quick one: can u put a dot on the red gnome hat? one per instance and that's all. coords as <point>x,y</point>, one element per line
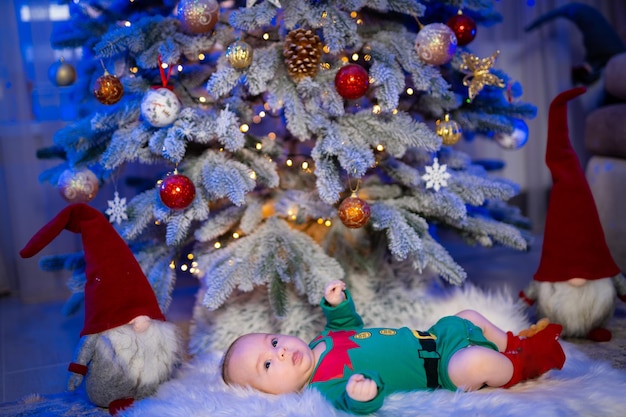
<point>116,290</point>
<point>574,245</point>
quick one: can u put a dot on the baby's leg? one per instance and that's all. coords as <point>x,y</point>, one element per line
<point>492,332</point>
<point>473,367</point>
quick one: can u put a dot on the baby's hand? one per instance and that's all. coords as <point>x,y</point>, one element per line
<point>333,293</point>
<point>360,388</point>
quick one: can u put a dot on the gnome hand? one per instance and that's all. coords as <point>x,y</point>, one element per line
<point>77,369</point>
<point>74,381</point>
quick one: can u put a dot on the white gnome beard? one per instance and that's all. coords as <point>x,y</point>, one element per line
<point>578,309</point>
<point>148,357</point>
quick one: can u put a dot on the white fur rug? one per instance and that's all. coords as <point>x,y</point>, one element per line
<point>582,388</point>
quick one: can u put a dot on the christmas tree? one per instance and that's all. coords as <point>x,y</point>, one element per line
<point>291,143</point>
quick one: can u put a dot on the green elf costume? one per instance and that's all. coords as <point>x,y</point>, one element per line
<point>398,359</point>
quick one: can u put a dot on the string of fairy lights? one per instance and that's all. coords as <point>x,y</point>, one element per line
<point>189,263</point>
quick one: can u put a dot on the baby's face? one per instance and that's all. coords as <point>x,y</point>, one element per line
<point>272,363</point>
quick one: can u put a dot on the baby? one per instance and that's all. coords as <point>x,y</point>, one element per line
<point>356,367</point>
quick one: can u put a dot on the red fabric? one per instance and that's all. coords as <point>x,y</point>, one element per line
<point>118,405</point>
<point>116,290</point>
<point>77,368</point>
<point>574,245</point>
<point>333,364</point>
<point>600,334</point>
<point>534,356</point>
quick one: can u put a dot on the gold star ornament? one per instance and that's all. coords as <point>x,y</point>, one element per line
<point>478,75</point>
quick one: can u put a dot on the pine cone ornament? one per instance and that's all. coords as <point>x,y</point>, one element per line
<point>302,51</point>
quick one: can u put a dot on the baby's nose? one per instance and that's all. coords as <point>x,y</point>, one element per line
<point>282,352</point>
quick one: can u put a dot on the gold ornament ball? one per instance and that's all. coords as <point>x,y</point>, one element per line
<point>78,186</point>
<point>449,130</point>
<point>62,74</point>
<point>198,16</point>
<point>435,44</point>
<point>239,54</point>
<point>108,89</point>
<point>354,212</point>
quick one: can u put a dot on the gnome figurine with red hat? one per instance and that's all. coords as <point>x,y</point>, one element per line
<point>127,349</point>
<point>577,282</point>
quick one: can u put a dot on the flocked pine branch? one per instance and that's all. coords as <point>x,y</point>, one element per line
<point>274,251</point>
<point>241,181</point>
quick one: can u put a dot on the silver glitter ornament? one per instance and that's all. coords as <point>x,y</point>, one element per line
<point>198,16</point>
<point>435,44</point>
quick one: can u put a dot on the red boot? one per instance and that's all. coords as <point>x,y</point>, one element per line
<point>536,355</point>
<point>118,405</point>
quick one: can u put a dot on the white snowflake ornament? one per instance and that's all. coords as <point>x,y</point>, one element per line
<point>117,209</point>
<point>436,175</point>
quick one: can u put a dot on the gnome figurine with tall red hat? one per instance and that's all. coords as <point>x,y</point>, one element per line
<point>577,282</point>
<point>127,349</point>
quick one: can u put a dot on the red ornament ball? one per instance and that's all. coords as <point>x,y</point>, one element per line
<point>464,27</point>
<point>108,89</point>
<point>354,212</point>
<point>177,191</point>
<point>352,81</point>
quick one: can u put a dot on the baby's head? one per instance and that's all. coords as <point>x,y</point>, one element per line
<point>271,363</point>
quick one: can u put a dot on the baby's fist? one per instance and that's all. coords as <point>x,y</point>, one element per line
<point>334,292</point>
<point>360,388</point>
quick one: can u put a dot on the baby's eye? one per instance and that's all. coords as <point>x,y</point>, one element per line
<point>274,342</point>
<point>267,364</point>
